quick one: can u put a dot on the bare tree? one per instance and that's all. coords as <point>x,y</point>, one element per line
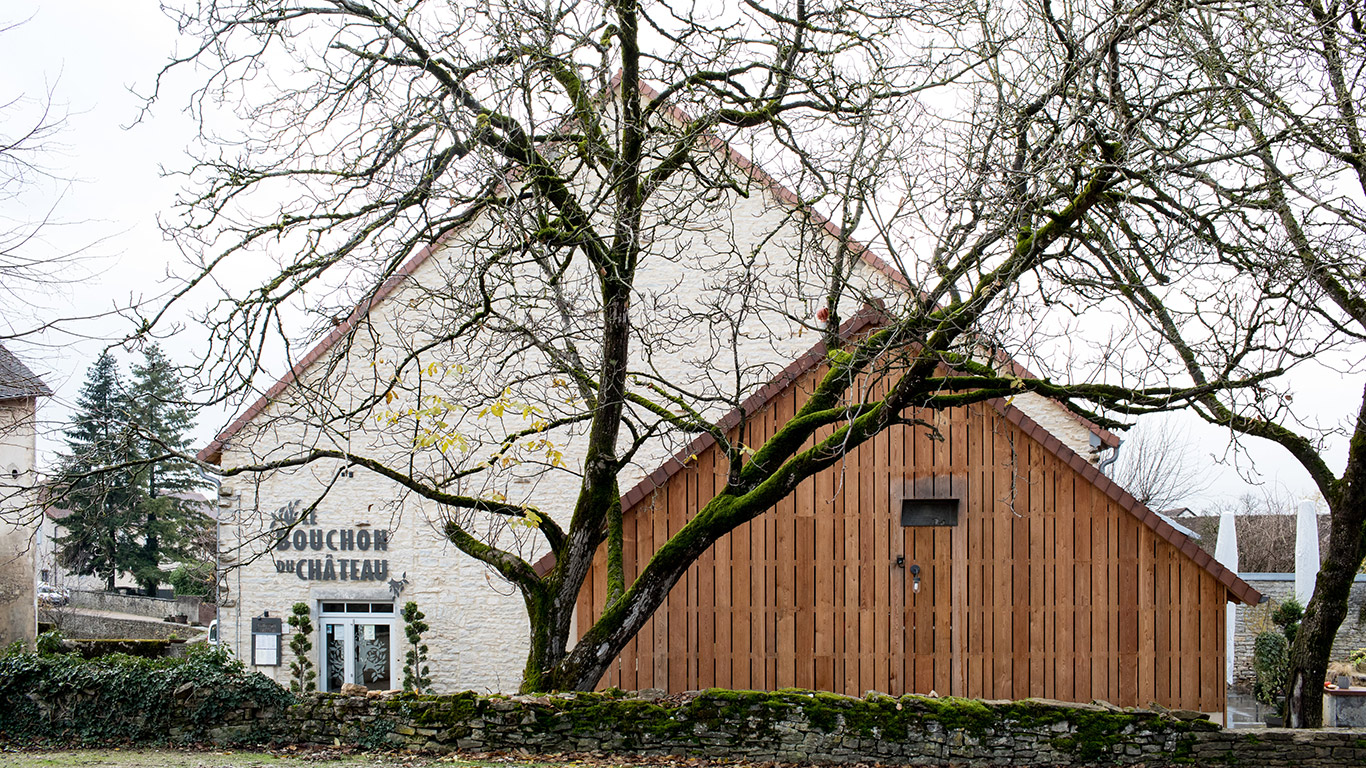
<point>1261,187</point>
<point>1157,468</point>
<point>574,165</point>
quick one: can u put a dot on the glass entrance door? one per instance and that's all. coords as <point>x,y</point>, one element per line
<point>358,646</point>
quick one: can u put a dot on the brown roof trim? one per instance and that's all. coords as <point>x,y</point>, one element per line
<point>753,404</point>
<point>1237,588</point>
<point>213,452</point>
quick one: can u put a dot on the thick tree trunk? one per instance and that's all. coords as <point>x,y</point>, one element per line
<point>1314,642</point>
<point>1328,607</point>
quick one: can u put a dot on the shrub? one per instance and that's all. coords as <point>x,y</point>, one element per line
<point>1271,662</point>
<point>67,699</point>
<point>193,579</point>
<point>1287,616</point>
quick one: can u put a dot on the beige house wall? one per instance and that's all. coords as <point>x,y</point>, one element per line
<point>18,525</point>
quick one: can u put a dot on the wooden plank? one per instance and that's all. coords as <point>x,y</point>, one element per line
<point>1147,642</point>
<point>1128,608</point>
<point>824,647</point>
<point>892,609</point>
<point>677,639</point>
<point>982,506</point>
<point>1190,636</point>
<point>741,635</point>
<point>630,655</point>
<point>872,645</point>
<point>724,656</point>
<point>1100,600</point>
<point>1163,626</point>
<point>784,587</point>
<point>955,611</point>
<point>645,538</point>
<point>1019,557</point>
<point>705,650</point>
<point>1083,590</point>
<point>1038,645</point>
<point>805,545</point>
<point>1064,593</point>
<point>1000,555</point>
<point>847,560</point>
<point>1112,602</point>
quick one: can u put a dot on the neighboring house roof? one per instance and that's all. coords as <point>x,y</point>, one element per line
<point>16,380</point>
<point>214,450</point>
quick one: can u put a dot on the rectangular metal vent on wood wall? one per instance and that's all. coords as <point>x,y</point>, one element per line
<point>929,512</point>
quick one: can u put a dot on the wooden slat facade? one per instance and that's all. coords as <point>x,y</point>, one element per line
<point>1047,586</point>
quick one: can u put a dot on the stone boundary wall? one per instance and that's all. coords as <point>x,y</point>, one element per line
<point>788,726</point>
<point>137,605</point>
<point>1255,619</point>
<point>799,727</point>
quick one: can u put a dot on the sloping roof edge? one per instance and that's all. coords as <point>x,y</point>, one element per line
<point>17,381</point>
<point>1237,589</point>
<point>213,452</point>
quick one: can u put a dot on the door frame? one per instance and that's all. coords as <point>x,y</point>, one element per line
<point>351,620</point>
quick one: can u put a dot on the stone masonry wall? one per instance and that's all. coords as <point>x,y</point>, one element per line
<point>800,727</point>
<point>1253,620</point>
<point>789,726</point>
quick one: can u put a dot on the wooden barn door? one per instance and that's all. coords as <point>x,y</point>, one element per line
<point>926,606</point>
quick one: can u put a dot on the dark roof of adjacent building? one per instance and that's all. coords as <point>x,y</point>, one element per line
<point>16,380</point>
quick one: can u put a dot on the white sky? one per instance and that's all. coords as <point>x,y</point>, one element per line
<point>89,54</point>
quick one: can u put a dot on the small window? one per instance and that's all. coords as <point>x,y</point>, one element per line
<point>929,512</point>
<point>334,607</point>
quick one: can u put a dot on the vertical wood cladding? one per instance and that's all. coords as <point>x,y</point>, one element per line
<point>1047,586</point>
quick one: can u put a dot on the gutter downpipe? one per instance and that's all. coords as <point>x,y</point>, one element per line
<point>1113,458</point>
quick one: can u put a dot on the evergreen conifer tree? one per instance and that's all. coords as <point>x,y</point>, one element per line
<point>93,480</point>
<point>169,522</point>
<point>128,513</point>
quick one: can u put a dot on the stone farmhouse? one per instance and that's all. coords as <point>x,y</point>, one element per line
<point>20,389</point>
<point>354,546</point>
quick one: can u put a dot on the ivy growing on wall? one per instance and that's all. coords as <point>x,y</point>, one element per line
<point>64,698</point>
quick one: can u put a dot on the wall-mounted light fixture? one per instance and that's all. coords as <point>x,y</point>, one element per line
<point>915,579</point>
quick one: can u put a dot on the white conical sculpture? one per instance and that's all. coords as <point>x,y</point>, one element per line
<point>1306,551</point>
<point>1226,552</point>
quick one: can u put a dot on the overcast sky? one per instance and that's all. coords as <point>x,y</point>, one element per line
<point>94,56</point>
